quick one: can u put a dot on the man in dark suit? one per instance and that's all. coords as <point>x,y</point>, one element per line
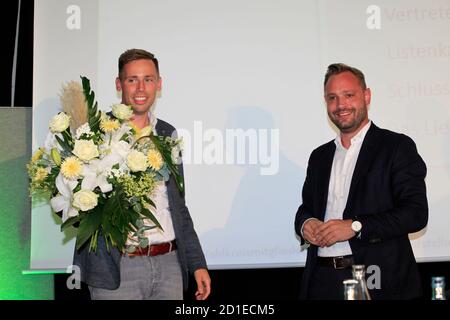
<point>363,194</point>
<point>160,271</point>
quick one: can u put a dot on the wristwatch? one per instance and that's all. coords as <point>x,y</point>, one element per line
<point>356,226</point>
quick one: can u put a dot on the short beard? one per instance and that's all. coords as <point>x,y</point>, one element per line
<point>352,126</point>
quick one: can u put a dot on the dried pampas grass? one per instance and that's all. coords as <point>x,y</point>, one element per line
<point>74,104</point>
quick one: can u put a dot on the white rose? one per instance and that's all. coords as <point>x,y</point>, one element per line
<point>85,200</point>
<point>85,150</point>
<point>137,161</point>
<point>122,111</point>
<point>59,123</point>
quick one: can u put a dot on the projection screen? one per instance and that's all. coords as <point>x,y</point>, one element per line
<point>243,83</point>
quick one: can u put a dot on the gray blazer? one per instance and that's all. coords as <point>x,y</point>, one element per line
<point>102,269</point>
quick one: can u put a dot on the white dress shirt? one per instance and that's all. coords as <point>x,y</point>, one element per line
<point>344,162</point>
<point>162,211</point>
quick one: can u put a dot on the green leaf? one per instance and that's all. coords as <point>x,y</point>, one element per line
<point>143,242</point>
<point>149,201</point>
<point>139,223</point>
<point>118,218</point>
<point>66,147</point>
<point>89,224</point>
<point>118,238</point>
<point>164,172</point>
<point>94,116</point>
<point>137,207</point>
<point>145,228</point>
<point>133,200</point>
<point>150,215</point>
<point>67,138</point>
<point>130,249</point>
<point>70,222</point>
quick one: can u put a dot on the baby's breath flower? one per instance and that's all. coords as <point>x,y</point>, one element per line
<point>84,129</point>
<point>142,186</point>
<point>71,168</point>
<point>116,173</point>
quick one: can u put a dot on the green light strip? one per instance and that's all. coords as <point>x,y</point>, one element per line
<point>46,271</point>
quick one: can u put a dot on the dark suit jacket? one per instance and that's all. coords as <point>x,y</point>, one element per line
<point>102,269</point>
<point>388,195</point>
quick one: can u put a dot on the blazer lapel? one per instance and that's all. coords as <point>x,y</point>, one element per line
<point>365,159</point>
<point>324,177</point>
<point>161,130</point>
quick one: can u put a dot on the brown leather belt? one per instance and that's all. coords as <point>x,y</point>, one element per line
<point>337,263</point>
<point>154,249</point>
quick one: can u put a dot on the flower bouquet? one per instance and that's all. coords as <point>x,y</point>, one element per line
<point>99,172</point>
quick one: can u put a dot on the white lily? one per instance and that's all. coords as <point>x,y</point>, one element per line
<point>96,173</point>
<point>63,201</point>
<point>115,145</point>
<point>117,135</point>
<point>51,142</point>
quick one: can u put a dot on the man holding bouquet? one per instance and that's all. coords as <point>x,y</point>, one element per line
<point>161,269</point>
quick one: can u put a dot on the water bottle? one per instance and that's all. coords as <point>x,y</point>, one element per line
<point>438,288</point>
<point>352,289</point>
<point>359,274</point>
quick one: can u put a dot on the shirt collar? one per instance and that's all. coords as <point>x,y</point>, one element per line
<point>358,138</point>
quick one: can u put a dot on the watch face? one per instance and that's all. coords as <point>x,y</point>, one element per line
<point>356,226</point>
